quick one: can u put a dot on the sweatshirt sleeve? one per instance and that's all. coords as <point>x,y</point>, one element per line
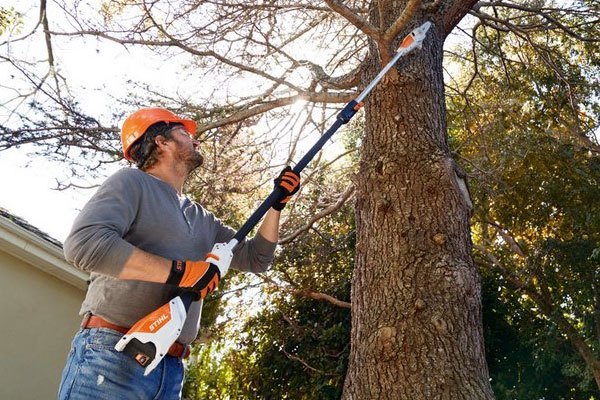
<point>251,255</point>
<point>96,242</point>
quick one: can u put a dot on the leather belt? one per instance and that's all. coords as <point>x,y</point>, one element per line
<point>93,321</point>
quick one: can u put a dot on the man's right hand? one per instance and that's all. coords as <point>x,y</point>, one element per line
<point>200,277</point>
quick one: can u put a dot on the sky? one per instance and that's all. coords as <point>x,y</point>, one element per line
<point>27,192</point>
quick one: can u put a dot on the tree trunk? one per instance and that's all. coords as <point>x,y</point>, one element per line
<point>416,302</point>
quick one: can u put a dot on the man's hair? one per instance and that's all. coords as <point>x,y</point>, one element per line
<point>144,151</point>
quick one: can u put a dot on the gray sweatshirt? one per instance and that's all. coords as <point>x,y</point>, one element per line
<point>134,209</point>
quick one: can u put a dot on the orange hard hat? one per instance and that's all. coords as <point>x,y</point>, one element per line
<point>137,123</point>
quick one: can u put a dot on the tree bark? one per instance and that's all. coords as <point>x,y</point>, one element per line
<point>416,302</point>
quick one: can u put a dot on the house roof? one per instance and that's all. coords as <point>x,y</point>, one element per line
<point>37,248</point>
<point>26,225</point>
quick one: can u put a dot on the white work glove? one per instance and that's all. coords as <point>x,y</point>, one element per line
<point>221,256</point>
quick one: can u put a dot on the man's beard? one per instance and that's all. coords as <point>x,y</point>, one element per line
<point>190,157</point>
<point>193,160</point>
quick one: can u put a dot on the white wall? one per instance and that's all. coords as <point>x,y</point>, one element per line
<point>39,316</point>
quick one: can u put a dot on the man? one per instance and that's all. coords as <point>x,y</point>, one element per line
<point>136,236</point>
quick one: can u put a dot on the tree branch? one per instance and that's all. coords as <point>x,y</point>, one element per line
<point>176,43</point>
<point>346,81</point>
<point>341,200</point>
<point>321,296</point>
<point>306,292</point>
<point>451,13</point>
<point>508,238</point>
<point>400,24</point>
<point>541,11</point>
<point>306,365</point>
<point>354,19</point>
<point>245,113</point>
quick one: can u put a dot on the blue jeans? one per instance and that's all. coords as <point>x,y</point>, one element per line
<point>95,370</point>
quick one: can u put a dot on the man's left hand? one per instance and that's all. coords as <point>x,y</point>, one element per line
<point>289,182</point>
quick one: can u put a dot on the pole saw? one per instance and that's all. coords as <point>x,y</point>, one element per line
<point>148,341</point>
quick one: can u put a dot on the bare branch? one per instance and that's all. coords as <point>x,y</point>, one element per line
<point>346,81</point>
<point>306,365</point>
<point>172,42</point>
<point>341,200</point>
<point>354,19</point>
<point>450,13</point>
<point>508,238</point>
<point>245,113</point>
<point>544,12</point>
<point>44,21</point>
<point>306,292</point>
<point>400,24</point>
<point>321,296</point>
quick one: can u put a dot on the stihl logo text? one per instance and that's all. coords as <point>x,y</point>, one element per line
<point>158,322</point>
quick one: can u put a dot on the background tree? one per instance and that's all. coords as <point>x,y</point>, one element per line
<point>416,295</point>
<point>526,133</point>
<point>9,19</point>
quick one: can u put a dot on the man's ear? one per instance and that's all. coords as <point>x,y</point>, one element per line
<point>161,141</point>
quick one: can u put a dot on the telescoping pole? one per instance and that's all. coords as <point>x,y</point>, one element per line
<point>150,338</point>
